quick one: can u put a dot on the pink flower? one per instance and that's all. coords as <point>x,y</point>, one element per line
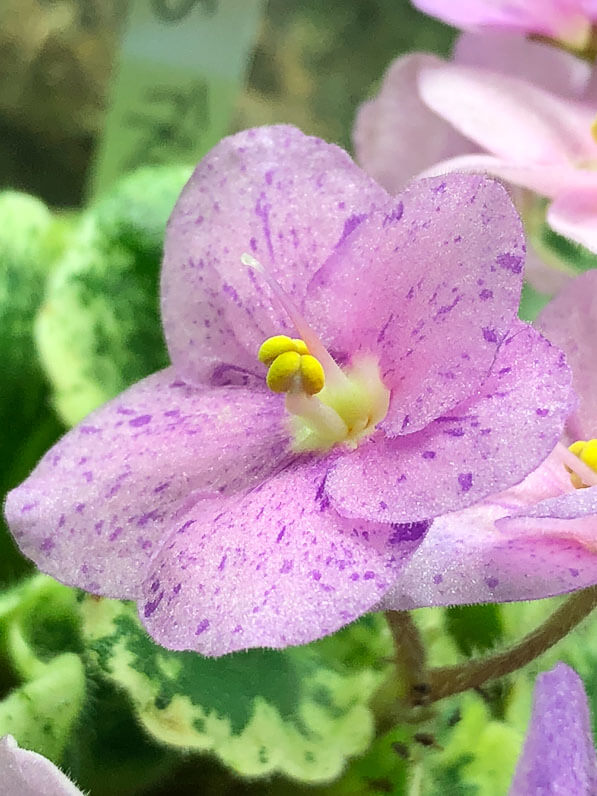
<point>567,20</point>
<point>539,538</point>
<point>25,773</point>
<point>528,104</point>
<point>535,138</point>
<point>559,753</point>
<point>240,518</point>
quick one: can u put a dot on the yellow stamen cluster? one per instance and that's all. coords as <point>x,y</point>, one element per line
<point>586,450</point>
<point>291,367</point>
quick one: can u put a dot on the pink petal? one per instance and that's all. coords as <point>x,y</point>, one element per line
<point>276,194</point>
<point>510,54</point>
<point>549,180</point>
<point>574,214</point>
<point>26,773</point>
<point>99,505</point>
<point>488,442</point>
<point>558,18</point>
<point>468,557</point>
<point>558,756</point>
<point>396,135</point>
<point>572,516</point>
<point>509,117</point>
<point>273,567</point>
<point>432,286</point>
<point>570,322</point>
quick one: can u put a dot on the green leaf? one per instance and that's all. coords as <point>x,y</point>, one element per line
<point>301,711</point>
<point>134,213</point>
<point>42,713</point>
<point>98,330</point>
<point>475,628</point>
<point>28,244</point>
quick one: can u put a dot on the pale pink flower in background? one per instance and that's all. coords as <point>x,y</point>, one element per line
<point>570,21</point>
<point>398,136</point>
<point>26,773</point>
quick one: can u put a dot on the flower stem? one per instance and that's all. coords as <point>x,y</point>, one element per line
<point>410,657</point>
<point>448,680</point>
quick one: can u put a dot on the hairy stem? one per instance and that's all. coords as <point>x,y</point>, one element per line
<point>410,657</point>
<point>448,680</point>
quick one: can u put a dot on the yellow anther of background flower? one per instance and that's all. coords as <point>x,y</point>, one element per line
<point>594,130</point>
<point>291,366</point>
<point>586,452</point>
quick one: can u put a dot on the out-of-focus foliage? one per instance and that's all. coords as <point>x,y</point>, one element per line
<point>98,330</point>
<point>30,239</point>
<point>301,711</point>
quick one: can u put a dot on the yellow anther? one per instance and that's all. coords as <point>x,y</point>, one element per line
<point>312,375</point>
<point>594,130</point>
<point>281,376</point>
<point>273,347</point>
<point>300,346</point>
<point>586,452</point>
<point>280,344</point>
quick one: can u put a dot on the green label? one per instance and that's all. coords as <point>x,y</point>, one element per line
<point>181,65</point>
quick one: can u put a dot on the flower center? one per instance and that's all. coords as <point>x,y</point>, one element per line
<point>328,405</point>
<point>583,472</point>
<point>324,412</point>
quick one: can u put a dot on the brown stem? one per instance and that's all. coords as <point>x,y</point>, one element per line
<point>448,680</point>
<point>409,656</point>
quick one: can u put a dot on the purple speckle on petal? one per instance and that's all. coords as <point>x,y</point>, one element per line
<point>437,579</point>
<point>202,627</point>
<point>428,454</point>
<point>150,607</point>
<point>489,335</point>
<point>491,582</point>
<point>511,262</point>
<point>542,412</point>
<point>465,480</point>
<point>142,420</point>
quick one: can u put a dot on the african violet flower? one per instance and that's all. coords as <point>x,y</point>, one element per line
<point>536,139</point>
<point>539,538</point>
<point>558,756</point>
<point>567,20</point>
<point>25,773</point>
<point>238,517</point>
<point>414,124</point>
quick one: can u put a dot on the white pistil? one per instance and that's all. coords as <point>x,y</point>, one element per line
<point>334,375</point>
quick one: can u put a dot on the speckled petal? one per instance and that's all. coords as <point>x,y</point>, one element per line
<point>570,322</point>
<point>466,558</point>
<point>272,192</point>
<point>396,135</point>
<point>509,117</point>
<point>431,285</point>
<point>25,773</point>
<point>558,756</point>
<point>485,445</point>
<point>100,503</point>
<point>274,567</point>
